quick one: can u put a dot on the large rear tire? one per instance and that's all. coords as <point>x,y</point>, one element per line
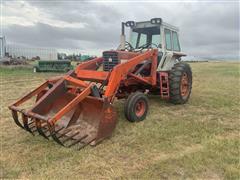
<point>136,107</point>
<point>180,80</point>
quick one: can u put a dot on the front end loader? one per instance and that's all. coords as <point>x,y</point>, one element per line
<point>76,109</point>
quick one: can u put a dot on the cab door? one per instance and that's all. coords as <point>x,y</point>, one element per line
<point>171,40</point>
<point>170,46</point>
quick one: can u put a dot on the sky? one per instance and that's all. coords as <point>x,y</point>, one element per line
<point>208,29</point>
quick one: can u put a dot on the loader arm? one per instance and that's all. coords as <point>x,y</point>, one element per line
<point>121,71</point>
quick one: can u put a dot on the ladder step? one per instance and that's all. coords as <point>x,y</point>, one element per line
<point>164,85</point>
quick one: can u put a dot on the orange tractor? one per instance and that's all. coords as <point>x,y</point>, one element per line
<point>77,108</point>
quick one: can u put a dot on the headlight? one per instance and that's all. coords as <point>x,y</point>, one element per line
<point>156,20</point>
<point>130,23</point>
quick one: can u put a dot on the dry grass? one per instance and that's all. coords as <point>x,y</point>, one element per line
<point>196,140</point>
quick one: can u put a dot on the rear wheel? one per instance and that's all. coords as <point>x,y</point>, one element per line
<point>136,107</point>
<point>180,83</point>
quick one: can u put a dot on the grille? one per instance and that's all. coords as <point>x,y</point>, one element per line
<point>110,59</point>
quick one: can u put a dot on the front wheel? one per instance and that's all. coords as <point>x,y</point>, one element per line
<point>136,107</point>
<point>180,80</point>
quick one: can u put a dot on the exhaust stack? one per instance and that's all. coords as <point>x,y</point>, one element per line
<point>122,37</point>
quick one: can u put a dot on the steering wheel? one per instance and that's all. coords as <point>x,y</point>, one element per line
<point>128,46</point>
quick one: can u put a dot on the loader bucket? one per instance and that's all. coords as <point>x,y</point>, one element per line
<point>87,122</point>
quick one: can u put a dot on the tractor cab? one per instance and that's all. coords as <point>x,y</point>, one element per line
<point>151,35</point>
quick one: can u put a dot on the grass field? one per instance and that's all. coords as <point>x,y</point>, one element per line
<point>198,140</point>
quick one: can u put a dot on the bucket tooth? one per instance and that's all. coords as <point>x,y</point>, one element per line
<point>57,131</point>
<point>34,130</point>
<point>49,135</point>
<point>61,135</point>
<point>78,141</point>
<point>16,120</point>
<point>54,135</point>
<point>34,127</point>
<point>46,131</point>
<point>39,128</point>
<point>70,137</point>
<point>56,139</point>
<point>26,124</point>
<point>31,122</point>
<point>85,144</point>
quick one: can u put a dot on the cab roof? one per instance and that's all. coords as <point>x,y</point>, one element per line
<point>149,24</point>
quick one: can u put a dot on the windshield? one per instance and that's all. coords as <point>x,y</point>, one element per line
<point>145,36</point>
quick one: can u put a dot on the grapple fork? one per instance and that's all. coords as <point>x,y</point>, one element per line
<point>69,112</point>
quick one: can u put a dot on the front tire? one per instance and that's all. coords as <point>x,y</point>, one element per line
<point>180,80</point>
<point>136,107</point>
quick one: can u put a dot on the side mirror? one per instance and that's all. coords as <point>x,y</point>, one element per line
<point>160,46</point>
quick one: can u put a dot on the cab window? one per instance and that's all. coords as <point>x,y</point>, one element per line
<point>168,39</point>
<point>156,39</point>
<point>143,40</point>
<point>133,39</point>
<point>149,36</point>
<point>176,46</point>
